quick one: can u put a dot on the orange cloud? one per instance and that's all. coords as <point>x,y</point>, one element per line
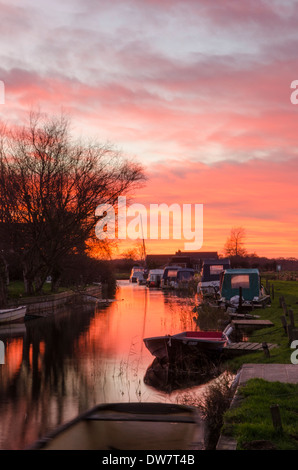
<point>258,195</point>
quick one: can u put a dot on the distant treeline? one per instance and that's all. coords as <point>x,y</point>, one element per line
<point>261,263</point>
<point>264,264</point>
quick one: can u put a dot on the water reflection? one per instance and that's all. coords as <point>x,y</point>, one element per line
<point>174,377</point>
<point>59,366</point>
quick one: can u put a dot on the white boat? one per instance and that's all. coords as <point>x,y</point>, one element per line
<point>154,278</point>
<point>10,315</point>
<point>137,273</point>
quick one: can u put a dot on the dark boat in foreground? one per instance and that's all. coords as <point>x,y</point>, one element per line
<point>172,347</point>
<point>127,426</point>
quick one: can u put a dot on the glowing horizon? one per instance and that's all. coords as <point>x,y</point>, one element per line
<point>268,213</point>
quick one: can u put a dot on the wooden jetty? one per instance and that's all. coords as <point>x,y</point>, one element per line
<point>242,316</point>
<point>236,347</point>
<point>246,347</point>
<point>253,324</point>
<point>242,327</point>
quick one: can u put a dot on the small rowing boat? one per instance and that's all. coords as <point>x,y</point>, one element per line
<point>188,342</point>
<point>10,315</point>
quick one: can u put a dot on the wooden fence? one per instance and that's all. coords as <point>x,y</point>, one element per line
<point>288,320</point>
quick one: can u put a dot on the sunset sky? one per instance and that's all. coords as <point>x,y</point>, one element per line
<point>198,91</point>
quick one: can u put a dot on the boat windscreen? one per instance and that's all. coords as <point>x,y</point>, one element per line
<point>216,269</point>
<point>240,280</point>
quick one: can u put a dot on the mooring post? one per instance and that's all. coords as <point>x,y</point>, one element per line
<point>240,299</point>
<point>276,419</point>
<point>290,333</point>
<point>291,318</point>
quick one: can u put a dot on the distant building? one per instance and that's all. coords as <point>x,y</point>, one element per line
<point>157,261</point>
<point>188,259</point>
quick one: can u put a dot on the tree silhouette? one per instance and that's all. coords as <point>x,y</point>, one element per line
<point>234,245</point>
<point>50,186</point>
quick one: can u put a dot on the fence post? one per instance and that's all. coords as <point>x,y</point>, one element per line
<point>290,333</point>
<point>266,349</point>
<point>291,318</point>
<point>284,307</point>
<point>284,323</point>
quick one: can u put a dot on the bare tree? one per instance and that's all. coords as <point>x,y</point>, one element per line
<point>234,245</point>
<point>50,187</point>
<point>137,253</point>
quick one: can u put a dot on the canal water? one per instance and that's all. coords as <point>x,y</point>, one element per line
<point>60,366</point>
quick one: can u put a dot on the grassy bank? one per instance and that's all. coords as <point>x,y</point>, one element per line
<point>122,275</point>
<point>250,423</point>
<point>16,290</point>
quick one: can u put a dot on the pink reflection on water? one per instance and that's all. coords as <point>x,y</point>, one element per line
<point>67,363</point>
<point>138,312</point>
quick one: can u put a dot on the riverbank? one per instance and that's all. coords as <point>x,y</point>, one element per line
<point>248,423</point>
<point>46,305</point>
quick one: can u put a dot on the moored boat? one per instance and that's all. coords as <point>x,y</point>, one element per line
<point>209,284</point>
<point>11,315</point>
<point>169,277</point>
<point>137,273</point>
<point>154,277</point>
<point>241,290</point>
<point>127,426</point>
<point>171,347</point>
<point>185,277</point>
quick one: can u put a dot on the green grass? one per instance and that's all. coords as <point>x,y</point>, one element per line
<point>252,420</point>
<point>16,290</point>
<point>122,276</point>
